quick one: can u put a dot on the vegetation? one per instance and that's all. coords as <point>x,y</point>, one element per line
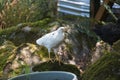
<point>8,51</point>
<point>106,68</point>
<point>13,12</point>
<point>13,37</point>
<point>18,35</point>
<point>116,46</point>
<point>117,1</point>
<point>24,21</point>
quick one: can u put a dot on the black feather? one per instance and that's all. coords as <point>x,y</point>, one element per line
<point>109,33</point>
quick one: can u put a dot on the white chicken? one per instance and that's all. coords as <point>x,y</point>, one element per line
<point>52,40</point>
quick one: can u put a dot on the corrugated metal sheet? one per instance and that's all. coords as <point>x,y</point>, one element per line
<point>74,7</point>
<point>77,7</point>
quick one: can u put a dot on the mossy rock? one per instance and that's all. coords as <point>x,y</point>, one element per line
<point>18,35</point>
<point>106,68</point>
<point>57,66</point>
<point>116,46</point>
<point>43,52</point>
<point>6,53</point>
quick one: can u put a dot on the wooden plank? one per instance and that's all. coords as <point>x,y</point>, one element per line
<point>94,7</point>
<point>101,10</point>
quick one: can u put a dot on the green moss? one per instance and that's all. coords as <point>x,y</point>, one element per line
<point>107,68</point>
<point>116,46</point>
<point>5,53</point>
<point>56,66</point>
<point>17,35</point>
<point>43,52</point>
<point>40,23</point>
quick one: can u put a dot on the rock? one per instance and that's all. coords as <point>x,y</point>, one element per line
<point>106,68</point>
<point>25,56</point>
<point>25,32</point>
<point>116,46</point>
<point>7,55</point>
<point>75,50</point>
<point>56,66</point>
<point>100,49</point>
<point>26,29</point>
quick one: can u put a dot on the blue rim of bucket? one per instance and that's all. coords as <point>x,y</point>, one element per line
<point>75,77</point>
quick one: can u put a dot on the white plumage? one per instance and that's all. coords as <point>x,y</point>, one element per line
<point>52,39</point>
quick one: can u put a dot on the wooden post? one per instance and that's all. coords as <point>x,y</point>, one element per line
<point>101,10</point>
<point>94,6</point>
